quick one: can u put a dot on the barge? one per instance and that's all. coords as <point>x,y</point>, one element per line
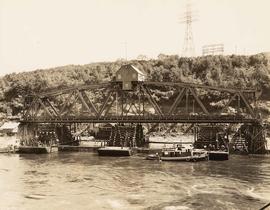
<point>36,149</point>
<point>114,151</point>
<point>218,155</point>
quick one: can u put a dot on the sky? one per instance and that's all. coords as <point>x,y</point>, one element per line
<point>38,34</point>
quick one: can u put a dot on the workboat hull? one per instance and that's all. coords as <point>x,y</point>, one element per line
<point>183,158</point>
<point>7,150</point>
<point>33,150</point>
<point>189,158</point>
<point>218,155</point>
<point>114,151</point>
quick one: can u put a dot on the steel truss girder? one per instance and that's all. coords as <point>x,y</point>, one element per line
<point>144,94</point>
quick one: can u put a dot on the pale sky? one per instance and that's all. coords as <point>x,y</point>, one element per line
<point>38,34</point>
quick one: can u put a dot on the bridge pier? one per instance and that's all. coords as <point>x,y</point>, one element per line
<point>250,139</point>
<point>212,136</point>
<point>27,133</point>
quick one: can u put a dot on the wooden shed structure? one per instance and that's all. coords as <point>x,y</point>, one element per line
<point>128,74</point>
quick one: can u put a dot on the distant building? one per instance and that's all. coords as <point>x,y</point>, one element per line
<point>9,128</point>
<point>213,49</point>
<point>128,74</point>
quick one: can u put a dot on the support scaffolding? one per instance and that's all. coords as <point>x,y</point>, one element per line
<point>250,139</point>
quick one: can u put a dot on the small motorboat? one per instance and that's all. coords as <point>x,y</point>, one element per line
<point>153,157</point>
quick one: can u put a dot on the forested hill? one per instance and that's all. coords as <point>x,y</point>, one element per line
<point>225,71</point>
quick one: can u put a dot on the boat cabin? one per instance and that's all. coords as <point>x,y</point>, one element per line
<point>176,152</point>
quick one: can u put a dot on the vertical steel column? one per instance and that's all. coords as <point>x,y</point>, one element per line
<point>187,92</point>
<point>122,104</point>
<point>139,95</point>
<point>116,103</point>
<point>238,103</point>
<point>143,100</point>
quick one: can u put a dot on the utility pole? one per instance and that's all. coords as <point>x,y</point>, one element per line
<point>125,50</point>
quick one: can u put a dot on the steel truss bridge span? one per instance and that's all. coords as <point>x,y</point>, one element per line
<point>147,102</point>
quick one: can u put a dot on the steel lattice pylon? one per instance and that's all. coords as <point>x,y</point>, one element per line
<point>188,47</point>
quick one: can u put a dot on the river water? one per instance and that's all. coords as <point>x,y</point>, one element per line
<point>87,181</point>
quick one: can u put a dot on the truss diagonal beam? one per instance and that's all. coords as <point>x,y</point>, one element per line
<point>198,100</point>
<point>90,102</point>
<point>170,128</point>
<point>177,101</point>
<point>36,108</point>
<point>136,108</point>
<point>151,100</point>
<point>189,128</point>
<point>83,101</point>
<point>131,104</point>
<point>30,107</point>
<point>104,104</point>
<point>247,104</point>
<point>45,108</point>
<point>228,103</point>
<point>65,103</point>
<point>109,106</point>
<point>53,108</point>
<point>152,128</point>
<point>72,104</point>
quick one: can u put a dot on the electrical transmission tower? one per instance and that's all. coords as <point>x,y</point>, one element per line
<point>187,19</point>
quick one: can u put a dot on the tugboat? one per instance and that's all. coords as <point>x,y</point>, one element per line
<point>180,154</point>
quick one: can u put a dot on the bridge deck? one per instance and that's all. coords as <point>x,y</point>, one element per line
<point>147,119</point>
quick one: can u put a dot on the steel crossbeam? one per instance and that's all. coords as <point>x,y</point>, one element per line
<point>147,119</point>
